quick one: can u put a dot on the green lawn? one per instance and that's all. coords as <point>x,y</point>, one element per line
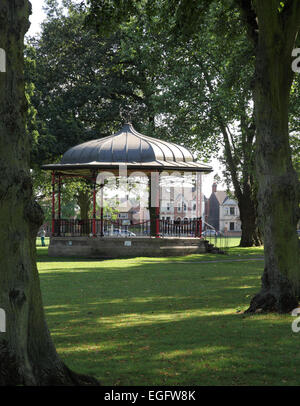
<point>170,321</point>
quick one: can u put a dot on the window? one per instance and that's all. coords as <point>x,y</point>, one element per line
<point>179,209</point>
<point>194,207</point>
<point>184,206</point>
<point>231,226</point>
<point>232,211</point>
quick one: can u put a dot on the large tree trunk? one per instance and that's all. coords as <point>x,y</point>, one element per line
<point>27,354</point>
<point>278,193</point>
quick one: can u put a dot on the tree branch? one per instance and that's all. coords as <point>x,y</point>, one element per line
<point>291,21</point>
<point>248,16</point>
<point>229,157</point>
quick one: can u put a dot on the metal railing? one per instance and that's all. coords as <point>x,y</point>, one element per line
<point>214,237</point>
<point>181,228</point>
<point>117,228</point>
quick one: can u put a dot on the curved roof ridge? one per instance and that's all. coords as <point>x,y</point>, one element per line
<point>138,135</point>
<point>157,141</point>
<point>174,145</point>
<point>144,138</point>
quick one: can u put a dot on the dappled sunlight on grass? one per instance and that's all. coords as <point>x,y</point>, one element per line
<point>184,353</point>
<point>153,321</point>
<point>136,319</point>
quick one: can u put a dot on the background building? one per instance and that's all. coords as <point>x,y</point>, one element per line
<point>222,212</point>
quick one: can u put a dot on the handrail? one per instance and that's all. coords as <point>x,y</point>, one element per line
<point>209,225</point>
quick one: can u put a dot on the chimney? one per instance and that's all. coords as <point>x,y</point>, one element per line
<point>214,187</point>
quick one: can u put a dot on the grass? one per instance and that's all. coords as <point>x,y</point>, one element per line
<point>169,321</point>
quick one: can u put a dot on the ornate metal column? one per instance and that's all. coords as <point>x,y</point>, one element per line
<point>53,203</point>
<point>157,208</point>
<point>101,211</point>
<point>94,207</point>
<point>59,204</point>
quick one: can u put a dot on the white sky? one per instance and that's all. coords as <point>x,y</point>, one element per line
<point>38,16</point>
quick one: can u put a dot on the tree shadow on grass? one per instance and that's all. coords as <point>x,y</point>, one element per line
<point>168,324</point>
<point>191,350</point>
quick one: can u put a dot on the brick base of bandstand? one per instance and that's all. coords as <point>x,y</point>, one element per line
<point>119,247</point>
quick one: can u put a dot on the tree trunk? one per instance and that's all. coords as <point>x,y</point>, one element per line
<point>248,215</point>
<point>27,354</point>
<point>278,186</point>
<point>243,188</point>
<point>84,198</point>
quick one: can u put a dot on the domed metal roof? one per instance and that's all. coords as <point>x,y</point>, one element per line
<point>131,148</point>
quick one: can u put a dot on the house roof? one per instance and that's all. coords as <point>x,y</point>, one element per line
<point>229,201</point>
<point>221,195</point>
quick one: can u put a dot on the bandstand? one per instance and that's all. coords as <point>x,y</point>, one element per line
<point>126,152</point>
